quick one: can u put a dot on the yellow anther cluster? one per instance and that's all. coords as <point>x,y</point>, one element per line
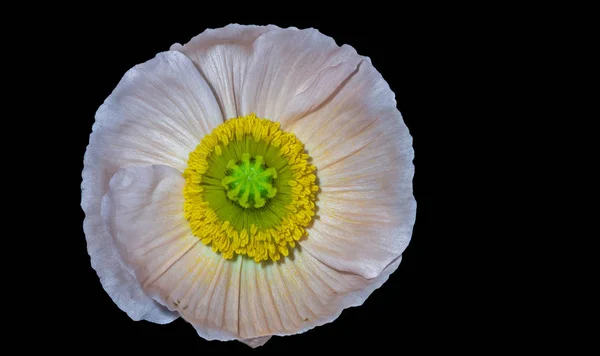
<point>263,233</point>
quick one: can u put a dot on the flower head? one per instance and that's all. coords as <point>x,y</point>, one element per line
<point>255,181</point>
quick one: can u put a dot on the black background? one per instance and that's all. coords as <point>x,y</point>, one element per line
<point>412,310</point>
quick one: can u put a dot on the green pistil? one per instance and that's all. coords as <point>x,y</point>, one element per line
<point>249,182</point>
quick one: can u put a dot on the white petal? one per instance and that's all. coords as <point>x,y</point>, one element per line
<point>293,72</point>
<point>280,74</point>
<point>117,280</point>
<point>143,211</point>
<point>224,300</point>
<point>256,342</point>
<point>363,153</point>
<point>157,114</point>
<point>298,294</point>
<point>221,55</point>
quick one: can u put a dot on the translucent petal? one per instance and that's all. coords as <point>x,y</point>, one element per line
<point>156,115</point>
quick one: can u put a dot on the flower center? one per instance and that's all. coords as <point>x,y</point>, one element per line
<point>249,189</point>
<point>249,181</point>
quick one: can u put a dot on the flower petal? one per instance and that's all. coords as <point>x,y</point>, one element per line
<point>143,211</point>
<point>224,299</point>
<point>256,342</point>
<point>117,280</point>
<point>221,55</point>
<point>298,294</point>
<point>157,114</point>
<point>293,72</point>
<point>366,207</point>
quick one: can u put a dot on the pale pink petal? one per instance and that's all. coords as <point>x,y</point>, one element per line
<point>298,294</point>
<point>221,55</point>
<point>256,342</point>
<point>143,211</point>
<point>293,72</point>
<point>280,74</point>
<point>363,153</point>
<point>117,279</point>
<point>157,114</point>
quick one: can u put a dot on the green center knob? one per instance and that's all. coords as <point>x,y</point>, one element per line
<point>249,182</point>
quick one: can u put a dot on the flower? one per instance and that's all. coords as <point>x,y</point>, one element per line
<point>255,181</point>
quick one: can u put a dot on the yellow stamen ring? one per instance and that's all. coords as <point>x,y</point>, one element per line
<point>249,189</point>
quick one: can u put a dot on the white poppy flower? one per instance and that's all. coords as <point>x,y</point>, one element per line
<point>255,181</point>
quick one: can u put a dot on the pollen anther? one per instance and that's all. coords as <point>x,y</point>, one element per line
<point>249,189</point>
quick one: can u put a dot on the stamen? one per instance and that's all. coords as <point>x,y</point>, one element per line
<point>250,189</point>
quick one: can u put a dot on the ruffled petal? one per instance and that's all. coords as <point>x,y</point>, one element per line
<point>256,342</point>
<point>117,280</point>
<point>221,55</point>
<point>157,114</point>
<point>223,299</point>
<point>297,294</point>
<point>143,211</point>
<point>293,72</point>
<point>280,74</point>
<point>363,153</point>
